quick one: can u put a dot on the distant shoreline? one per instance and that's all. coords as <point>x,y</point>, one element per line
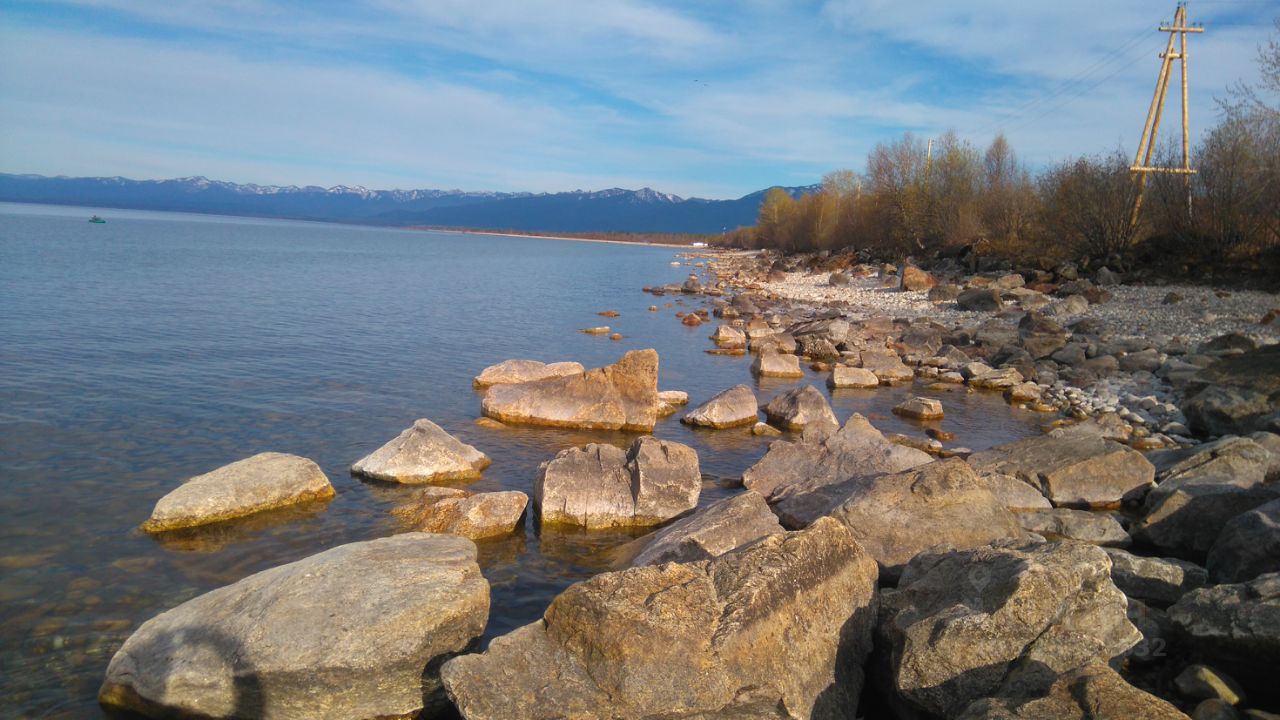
<point>460,231</point>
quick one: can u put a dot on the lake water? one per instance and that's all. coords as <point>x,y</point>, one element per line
<point>158,346</point>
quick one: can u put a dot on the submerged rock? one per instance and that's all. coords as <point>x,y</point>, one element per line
<point>799,408</point>
<point>423,453</point>
<point>514,372</point>
<point>778,629</point>
<point>602,486</point>
<point>458,512</point>
<point>820,459</point>
<point>622,396</point>
<point>718,528</point>
<point>347,633</point>
<point>1072,471</point>
<point>999,620</point>
<point>920,408</point>
<point>729,408</point>
<point>265,481</point>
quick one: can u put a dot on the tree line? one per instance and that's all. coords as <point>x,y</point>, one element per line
<point>910,202</point>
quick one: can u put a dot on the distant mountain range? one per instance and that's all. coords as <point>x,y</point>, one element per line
<point>614,210</point>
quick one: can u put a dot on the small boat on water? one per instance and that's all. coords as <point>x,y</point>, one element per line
<point>96,219</point>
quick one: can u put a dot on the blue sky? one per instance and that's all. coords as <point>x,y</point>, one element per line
<point>706,98</point>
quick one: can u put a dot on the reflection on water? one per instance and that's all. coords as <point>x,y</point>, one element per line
<point>159,347</point>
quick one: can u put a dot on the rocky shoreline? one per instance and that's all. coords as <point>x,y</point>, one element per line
<point>1125,564</point>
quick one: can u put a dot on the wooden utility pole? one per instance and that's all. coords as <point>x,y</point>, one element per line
<point>1142,167</point>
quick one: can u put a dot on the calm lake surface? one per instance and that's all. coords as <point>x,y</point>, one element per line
<point>158,346</point>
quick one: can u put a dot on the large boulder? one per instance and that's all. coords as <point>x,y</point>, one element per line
<point>514,372</point>
<point>424,453</point>
<point>357,631</point>
<point>1236,457</point>
<point>778,629</point>
<point>1081,525</point>
<point>886,365</point>
<point>602,486</point>
<point>458,512</point>
<point>819,459</point>
<point>1160,580</point>
<point>999,620</point>
<point>718,528</point>
<point>1091,692</point>
<point>886,514</point>
<point>843,376</point>
<point>1237,395</point>
<point>980,299</point>
<point>1187,519</point>
<point>775,364</point>
<point>1238,624</point>
<point>1072,471</point>
<point>799,408</point>
<point>622,396</point>
<point>727,336</point>
<point>729,408</point>
<point>265,481</point>
<point>1248,546</point>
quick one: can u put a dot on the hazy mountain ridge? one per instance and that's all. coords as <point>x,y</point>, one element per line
<point>613,209</point>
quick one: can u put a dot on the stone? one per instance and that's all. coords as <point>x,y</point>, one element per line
<point>514,372</point>
<point>777,629</point>
<point>886,513</point>
<point>424,453</point>
<point>886,365</point>
<point>843,376</point>
<point>820,459</point>
<point>1027,392</point>
<point>691,285</point>
<point>1237,623</point>
<point>799,408</point>
<point>692,320</point>
<point>765,430</point>
<point>1188,519</point>
<point>999,620</point>
<point>600,330</point>
<point>944,292</point>
<point>1105,276</point>
<point>1091,692</point>
<point>262,482</point>
<point>1015,494</point>
<point>1081,472</point>
<point>1078,525</point>
<point>1248,546</point>
<point>1201,682</point>
<point>720,527</point>
<point>771,364</point>
<point>816,348</point>
<point>622,396</point>
<point>1161,580</point>
<point>602,486</point>
<point>729,408</point>
<point>980,300</point>
<point>1001,379</point>
<point>920,408</point>
<point>838,279</point>
<point>357,631</point>
<point>1008,282</point>
<point>1214,709</point>
<point>1240,394</point>
<point>673,397</point>
<point>458,512</point>
<point>726,336</point>
<point>913,278</point>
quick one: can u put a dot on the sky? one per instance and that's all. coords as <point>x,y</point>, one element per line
<point>704,98</point>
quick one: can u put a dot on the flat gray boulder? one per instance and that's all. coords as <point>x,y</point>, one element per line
<point>820,459</point>
<point>730,408</point>
<point>778,629</point>
<point>1081,472</point>
<point>458,512</point>
<point>353,632</point>
<point>1248,546</point>
<point>936,505</point>
<point>515,372</point>
<point>1236,395</point>
<point>424,453</point>
<point>265,481</point>
<point>718,528</point>
<point>799,408</point>
<point>1082,525</point>
<point>999,621</point>
<point>622,396</point>
<point>1091,692</point>
<point>603,486</point>
<point>1242,459</point>
<point>1015,494</point>
<point>1237,623</point>
<point>1153,579</point>
<point>1187,519</point>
